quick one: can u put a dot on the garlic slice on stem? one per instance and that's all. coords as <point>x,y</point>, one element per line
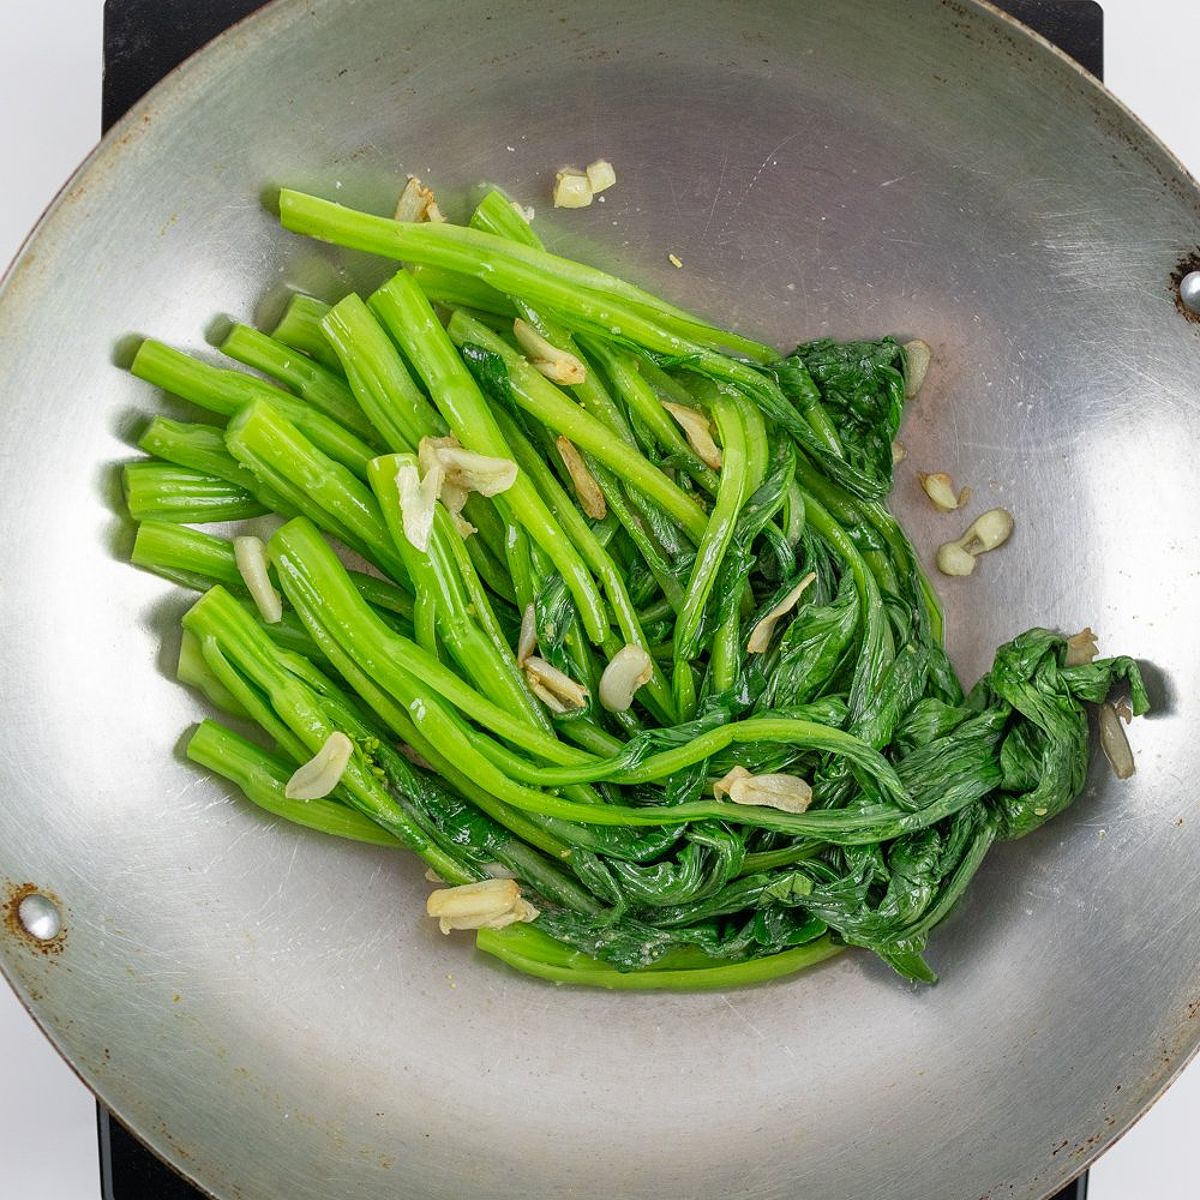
<point>318,777</point>
<point>629,669</point>
<point>250,557</point>
<point>587,490</point>
<point>698,430</point>
<point>558,365</point>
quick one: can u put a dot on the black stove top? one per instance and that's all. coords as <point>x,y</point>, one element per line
<point>143,40</point>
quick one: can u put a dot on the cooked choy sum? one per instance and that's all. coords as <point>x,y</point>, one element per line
<point>633,653</point>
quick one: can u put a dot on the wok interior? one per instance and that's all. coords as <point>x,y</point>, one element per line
<point>271,1010</point>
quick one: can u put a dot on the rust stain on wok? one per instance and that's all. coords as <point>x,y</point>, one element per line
<point>1185,266</point>
<point>14,894</point>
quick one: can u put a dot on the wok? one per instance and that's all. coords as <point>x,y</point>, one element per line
<point>270,1010</point>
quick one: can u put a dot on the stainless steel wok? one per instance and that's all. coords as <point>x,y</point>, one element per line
<point>269,1009</point>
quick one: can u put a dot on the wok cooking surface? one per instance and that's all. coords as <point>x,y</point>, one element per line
<point>1043,879</point>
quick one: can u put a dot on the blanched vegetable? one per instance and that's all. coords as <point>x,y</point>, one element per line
<point>642,667</point>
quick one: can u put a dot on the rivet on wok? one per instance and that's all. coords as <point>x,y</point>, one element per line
<point>1189,291</point>
<point>39,917</point>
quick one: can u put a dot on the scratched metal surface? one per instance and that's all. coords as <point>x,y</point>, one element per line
<point>268,1009</point>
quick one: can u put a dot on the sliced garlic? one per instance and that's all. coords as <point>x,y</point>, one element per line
<point>993,528</point>
<point>918,356</point>
<point>988,531</point>
<point>427,451</point>
<point>627,670</point>
<point>788,793</point>
<point>460,472</point>
<point>1081,647</point>
<point>601,175</point>
<point>414,200</point>
<point>560,366</point>
<point>675,261</point>
<point>480,473</point>
<point>587,490</point>
<point>571,189</point>
<point>418,502</point>
<point>952,559</point>
<point>698,430</point>
<point>527,641</point>
<point>417,203</point>
<point>489,904</point>
<point>250,555</point>
<point>760,635</point>
<point>560,693</point>
<point>454,496</point>
<point>1114,743</point>
<point>939,487</point>
<point>722,786</point>
<point>322,773</point>
<point>899,453</point>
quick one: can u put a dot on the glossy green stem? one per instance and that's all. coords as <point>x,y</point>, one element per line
<point>314,383</point>
<point>300,328</point>
<point>262,777</point>
<point>402,307</point>
<point>279,454</point>
<point>547,959</point>
<point>224,392</point>
<point>520,270</point>
<point>385,390</point>
<point>165,492</point>
<point>547,404</point>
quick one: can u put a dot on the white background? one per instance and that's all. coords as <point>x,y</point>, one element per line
<point>50,63</point>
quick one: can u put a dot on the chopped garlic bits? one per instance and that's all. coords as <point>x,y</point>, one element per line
<point>417,203</point>
<point>788,793</point>
<point>917,356</point>
<point>601,175</point>
<point>571,189</point>
<point>629,669</point>
<point>559,366</point>
<point>574,188</point>
<point>489,904</point>
<point>558,691</point>
<point>250,555</point>
<point>939,487</point>
<point>899,453</point>
<point>698,430</point>
<point>448,473</point>
<point>322,773</point>
<point>760,635</point>
<point>987,532</point>
<point>587,490</point>
<point>1082,647</point>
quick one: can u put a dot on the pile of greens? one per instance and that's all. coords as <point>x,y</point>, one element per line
<point>640,875</point>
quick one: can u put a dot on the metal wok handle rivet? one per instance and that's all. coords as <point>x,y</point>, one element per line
<point>1189,291</point>
<point>39,917</point>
